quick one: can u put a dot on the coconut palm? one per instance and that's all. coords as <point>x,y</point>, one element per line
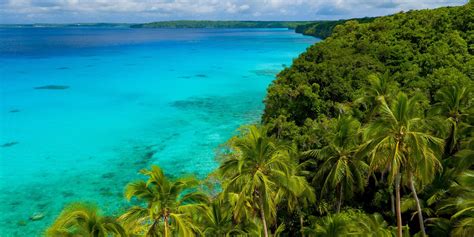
<point>454,103</point>
<point>297,193</point>
<point>376,89</point>
<point>397,141</point>
<point>218,220</point>
<point>450,190</point>
<point>84,220</point>
<point>331,226</point>
<point>168,205</point>
<point>350,223</point>
<point>461,203</point>
<point>340,169</point>
<point>255,169</point>
<point>372,226</point>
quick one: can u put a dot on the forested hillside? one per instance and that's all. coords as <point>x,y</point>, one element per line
<point>390,100</point>
<point>323,29</point>
<point>417,52</point>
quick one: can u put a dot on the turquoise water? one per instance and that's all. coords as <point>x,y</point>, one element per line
<point>82,110</point>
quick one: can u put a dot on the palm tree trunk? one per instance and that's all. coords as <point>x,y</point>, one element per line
<point>418,206</point>
<point>262,216</point>
<point>449,145</point>
<point>167,229</point>
<point>339,203</point>
<point>392,200</point>
<point>301,224</point>
<point>278,131</point>
<point>398,210</point>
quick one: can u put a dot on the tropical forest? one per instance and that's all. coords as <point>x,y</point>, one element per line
<point>368,133</point>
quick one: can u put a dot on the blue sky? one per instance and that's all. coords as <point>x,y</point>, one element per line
<point>73,11</point>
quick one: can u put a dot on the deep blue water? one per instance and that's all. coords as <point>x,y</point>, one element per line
<point>119,100</point>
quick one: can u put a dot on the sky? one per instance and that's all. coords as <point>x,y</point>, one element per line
<point>138,11</point>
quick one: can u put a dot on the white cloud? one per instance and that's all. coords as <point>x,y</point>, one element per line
<point>151,10</point>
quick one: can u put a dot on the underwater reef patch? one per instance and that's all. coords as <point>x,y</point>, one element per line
<point>201,103</point>
<point>222,107</point>
<point>108,175</point>
<point>51,87</point>
<point>42,206</point>
<point>266,72</point>
<point>9,144</point>
<point>15,203</point>
<point>67,194</point>
<point>21,223</point>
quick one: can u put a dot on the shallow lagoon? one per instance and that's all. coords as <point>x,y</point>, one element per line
<point>83,109</point>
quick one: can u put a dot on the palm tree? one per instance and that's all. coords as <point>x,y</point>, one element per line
<point>297,193</point>
<point>340,169</point>
<point>454,103</point>
<point>397,141</point>
<point>451,191</point>
<point>217,219</point>
<point>255,169</point>
<point>350,223</point>
<point>461,205</point>
<point>372,225</point>
<point>331,226</point>
<point>376,89</point>
<point>170,205</point>
<point>82,219</point>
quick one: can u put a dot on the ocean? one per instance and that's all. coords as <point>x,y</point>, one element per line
<point>83,109</point>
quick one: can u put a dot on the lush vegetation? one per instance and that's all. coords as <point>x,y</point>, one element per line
<point>323,29</point>
<point>368,133</point>
<point>221,24</point>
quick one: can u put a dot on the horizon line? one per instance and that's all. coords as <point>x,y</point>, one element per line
<point>134,23</point>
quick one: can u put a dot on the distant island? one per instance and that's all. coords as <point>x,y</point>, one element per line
<point>319,29</point>
<point>222,24</point>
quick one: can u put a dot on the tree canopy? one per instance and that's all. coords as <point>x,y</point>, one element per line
<point>420,51</point>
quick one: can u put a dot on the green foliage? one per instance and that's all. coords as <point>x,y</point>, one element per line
<point>323,29</point>
<point>339,168</point>
<point>258,169</point>
<point>420,51</point>
<point>350,223</point>
<point>169,205</point>
<point>397,141</point>
<point>82,219</point>
<point>407,78</point>
<point>453,105</point>
<point>461,204</point>
<point>218,220</point>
